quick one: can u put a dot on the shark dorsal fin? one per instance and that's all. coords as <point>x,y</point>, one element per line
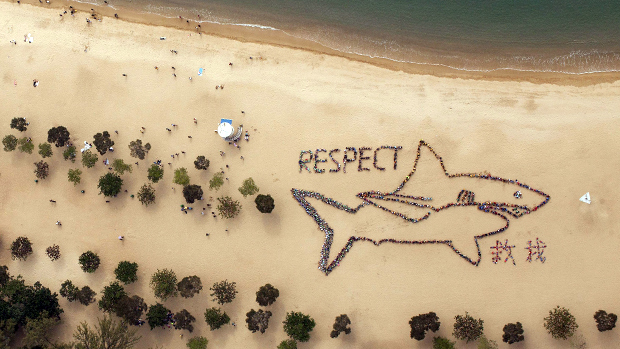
<point>424,150</point>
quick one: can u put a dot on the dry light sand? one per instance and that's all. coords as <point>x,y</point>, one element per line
<point>560,139</point>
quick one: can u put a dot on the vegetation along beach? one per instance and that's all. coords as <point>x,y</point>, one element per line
<point>243,174</point>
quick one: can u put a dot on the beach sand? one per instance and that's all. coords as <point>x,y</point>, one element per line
<point>558,138</point>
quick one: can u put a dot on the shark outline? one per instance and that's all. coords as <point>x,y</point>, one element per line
<point>465,198</point>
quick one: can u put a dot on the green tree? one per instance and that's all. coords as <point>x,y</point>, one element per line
<point>69,291</point>
<point>258,320</point>
<point>19,124</point>
<point>181,177</point>
<point>45,150</point>
<point>120,166</point>
<point>423,323</point>
<point>41,169</point>
<point>467,328</point>
<point>137,150</point>
<point>157,315</point>
<point>53,252</point>
<point>560,323</point>
<point>189,286</point>
<point>74,175</point>
<point>267,295</point>
<point>7,332</point>
<point>108,334</point>
<point>89,261</point>
<point>485,343</point>
<point>130,308</point>
<point>21,248</point>
<point>264,203</point>
<point>298,326</point>
<point>183,321</point>
<point>58,136</point>
<point>110,184</point>
<point>288,344</point>
<point>25,145</point>
<point>5,277</point>
<point>192,192</point>
<point>103,142</point>
<point>442,343</point>
<point>146,195</point>
<point>89,159</point>
<point>224,291</point>
<point>227,207</point>
<point>217,181</point>
<point>248,187</point>
<point>341,325</point>
<point>126,272</point>
<point>36,331</point>
<point>70,153</point>
<point>111,296</point>
<point>197,343</point>
<point>155,173</point>
<point>215,318</point>
<point>9,142</point>
<point>201,163</point>
<point>164,284</point>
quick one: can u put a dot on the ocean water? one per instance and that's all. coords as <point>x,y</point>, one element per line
<point>570,36</point>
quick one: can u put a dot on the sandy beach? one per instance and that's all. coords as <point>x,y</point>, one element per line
<point>556,136</point>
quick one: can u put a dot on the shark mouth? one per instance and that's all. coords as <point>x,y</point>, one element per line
<point>502,209</point>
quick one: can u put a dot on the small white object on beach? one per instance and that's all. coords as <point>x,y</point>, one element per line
<point>586,198</point>
<point>162,38</point>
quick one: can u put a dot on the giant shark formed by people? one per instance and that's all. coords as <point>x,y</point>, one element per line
<point>504,210</point>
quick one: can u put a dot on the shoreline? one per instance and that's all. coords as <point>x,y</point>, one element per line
<point>279,38</point>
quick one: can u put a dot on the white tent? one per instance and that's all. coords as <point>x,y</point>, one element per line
<point>586,198</point>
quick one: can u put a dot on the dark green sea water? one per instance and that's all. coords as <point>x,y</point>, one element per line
<point>571,36</point>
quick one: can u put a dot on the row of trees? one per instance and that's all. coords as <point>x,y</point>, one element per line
<point>560,323</point>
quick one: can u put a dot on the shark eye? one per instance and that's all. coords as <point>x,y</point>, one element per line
<point>518,194</point>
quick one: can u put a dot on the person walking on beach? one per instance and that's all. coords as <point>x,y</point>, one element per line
<point>58,223</point>
<point>121,237</point>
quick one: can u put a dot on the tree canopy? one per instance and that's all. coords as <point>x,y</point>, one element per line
<point>111,296</point>
<point>197,343</point>
<point>189,286</point>
<point>137,150</point>
<point>264,203</point>
<point>41,169</point>
<point>110,184</point>
<point>248,187</point>
<point>224,291</point>
<point>288,344</point>
<point>146,195</point>
<point>422,323</point>
<point>19,124</point>
<point>108,334</point>
<point>192,192</point>
<point>201,163</point>
<point>183,321</point>
<point>257,320</point>
<point>130,309</point>
<point>21,248</point>
<point>467,328</point>
<point>89,159</point>
<point>560,323</point>
<point>74,176</point>
<point>227,207</point>
<point>215,318</point>
<point>164,284</point>
<point>126,272</point>
<point>442,343</point>
<point>103,142</point>
<point>217,181</point>
<point>605,321</point>
<point>53,252</point>
<point>120,167</point>
<point>341,325</point>
<point>58,135</point>
<point>298,326</point>
<point>70,153</point>
<point>267,295</point>
<point>25,145</point>
<point>9,142</point>
<point>45,150</point>
<point>89,261</point>
<point>157,315</point>
<point>155,173</point>
<point>513,333</point>
<point>181,177</point>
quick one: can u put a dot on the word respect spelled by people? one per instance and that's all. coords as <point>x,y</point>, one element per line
<point>349,154</point>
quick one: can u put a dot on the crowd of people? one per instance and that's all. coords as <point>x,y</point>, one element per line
<point>465,198</point>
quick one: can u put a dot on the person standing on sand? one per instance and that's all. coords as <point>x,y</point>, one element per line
<point>121,237</point>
